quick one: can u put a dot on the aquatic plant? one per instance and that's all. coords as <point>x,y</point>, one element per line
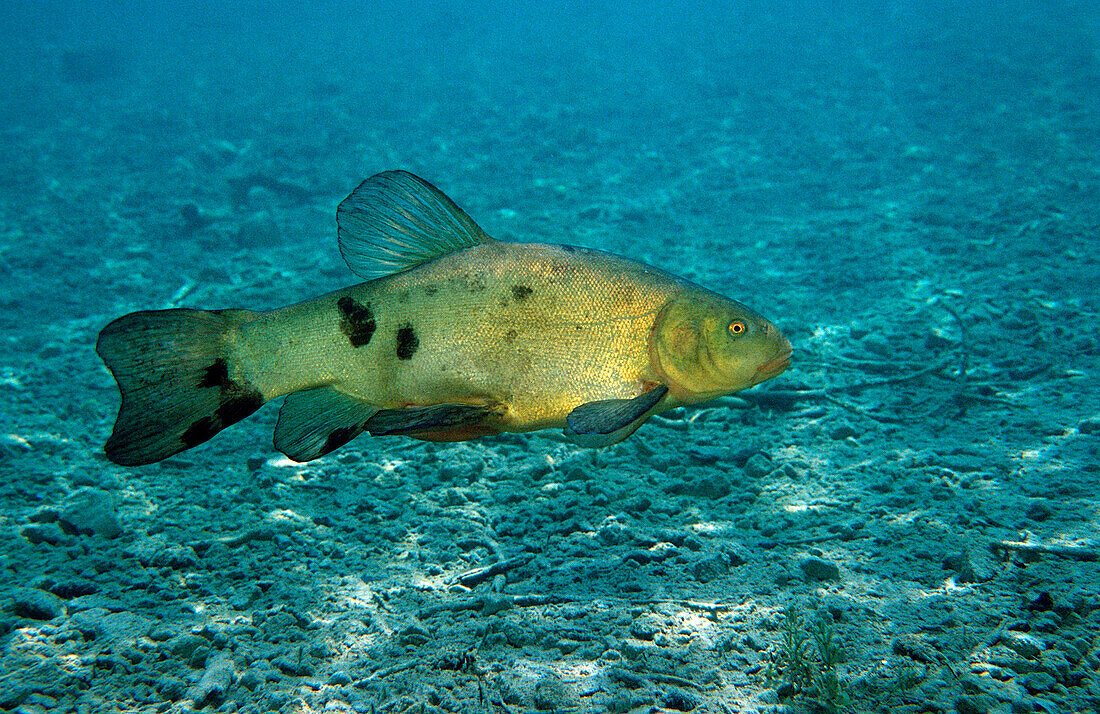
<point>805,663</point>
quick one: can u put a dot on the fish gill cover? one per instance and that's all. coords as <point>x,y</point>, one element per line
<point>906,519</point>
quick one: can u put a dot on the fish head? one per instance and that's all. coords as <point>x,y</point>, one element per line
<point>704,346</point>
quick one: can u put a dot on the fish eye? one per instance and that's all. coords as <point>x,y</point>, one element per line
<point>737,328</point>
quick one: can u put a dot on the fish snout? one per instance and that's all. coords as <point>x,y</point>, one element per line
<point>781,355</point>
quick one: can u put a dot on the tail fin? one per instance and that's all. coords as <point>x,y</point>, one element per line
<point>177,379</point>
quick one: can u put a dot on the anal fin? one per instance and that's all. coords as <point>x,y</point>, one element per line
<point>315,422</point>
<point>433,422</point>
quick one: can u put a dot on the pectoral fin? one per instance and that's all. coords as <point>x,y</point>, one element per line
<point>609,416</point>
<point>431,422</point>
<point>314,422</point>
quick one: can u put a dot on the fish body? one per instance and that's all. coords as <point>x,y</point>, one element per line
<point>454,336</point>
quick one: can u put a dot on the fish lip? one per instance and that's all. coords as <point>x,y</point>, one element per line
<point>775,366</point>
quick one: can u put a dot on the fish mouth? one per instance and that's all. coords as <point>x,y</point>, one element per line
<point>773,367</point>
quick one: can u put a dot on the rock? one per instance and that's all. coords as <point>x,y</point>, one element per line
<point>975,704</point>
<point>710,568</point>
<point>758,466</point>
<point>215,680</point>
<point>819,569</point>
<point>155,551</point>
<point>171,688</point>
<point>613,532</point>
<point>123,626</point>
<point>680,700</point>
<point>36,604</point>
<point>339,678</point>
<point>843,430</point>
<point>73,588</point>
<point>90,511</point>
<point>48,533</point>
<point>1024,644</point>
<point>646,627</point>
<point>973,565</point>
<point>188,646</point>
<point>293,665</point>
<point>111,626</point>
<point>1039,682</point>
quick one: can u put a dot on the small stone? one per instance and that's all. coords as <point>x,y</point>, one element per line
<point>215,680</point>
<point>758,466</point>
<point>185,645</point>
<point>843,431</point>
<point>90,511</point>
<point>294,666</point>
<point>711,568</point>
<point>155,551</point>
<point>973,565</point>
<point>36,604</point>
<point>975,704</point>
<point>1022,643</point>
<point>48,533</point>
<point>1039,682</point>
<point>552,694</point>
<point>122,627</point>
<point>819,569</point>
<point>680,700</point>
<point>1039,510</point>
<point>339,678</point>
<point>171,688</point>
<point>492,603</point>
<point>646,627</point>
<point>613,532</point>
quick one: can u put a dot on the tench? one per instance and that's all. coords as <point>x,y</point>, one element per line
<point>453,336</point>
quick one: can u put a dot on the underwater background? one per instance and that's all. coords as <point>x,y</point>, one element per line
<point>905,521</point>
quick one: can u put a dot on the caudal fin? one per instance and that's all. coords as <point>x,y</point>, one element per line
<point>178,382</point>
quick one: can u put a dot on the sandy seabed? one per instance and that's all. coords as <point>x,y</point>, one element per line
<point>905,521</point>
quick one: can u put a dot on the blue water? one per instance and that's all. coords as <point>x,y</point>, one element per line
<point>899,186</point>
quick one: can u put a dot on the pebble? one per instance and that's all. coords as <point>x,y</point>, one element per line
<point>758,466</point>
<point>90,511</point>
<point>711,567</point>
<point>155,551</point>
<point>680,700</point>
<point>293,665</point>
<point>973,565</point>
<point>215,680</point>
<point>339,678</point>
<point>114,626</point>
<point>843,430</point>
<point>819,569</point>
<point>36,604</point>
<point>48,533</point>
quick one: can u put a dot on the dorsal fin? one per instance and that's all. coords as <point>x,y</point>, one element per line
<point>395,221</point>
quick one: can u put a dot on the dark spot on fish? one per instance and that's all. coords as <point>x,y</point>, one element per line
<point>431,290</point>
<point>407,341</point>
<point>403,296</point>
<point>521,292</point>
<point>200,430</point>
<point>239,402</point>
<point>240,406</point>
<point>216,375</point>
<point>511,335</point>
<point>356,321</point>
<point>339,437</point>
<point>569,249</point>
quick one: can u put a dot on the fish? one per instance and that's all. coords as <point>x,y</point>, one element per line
<point>453,336</point>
